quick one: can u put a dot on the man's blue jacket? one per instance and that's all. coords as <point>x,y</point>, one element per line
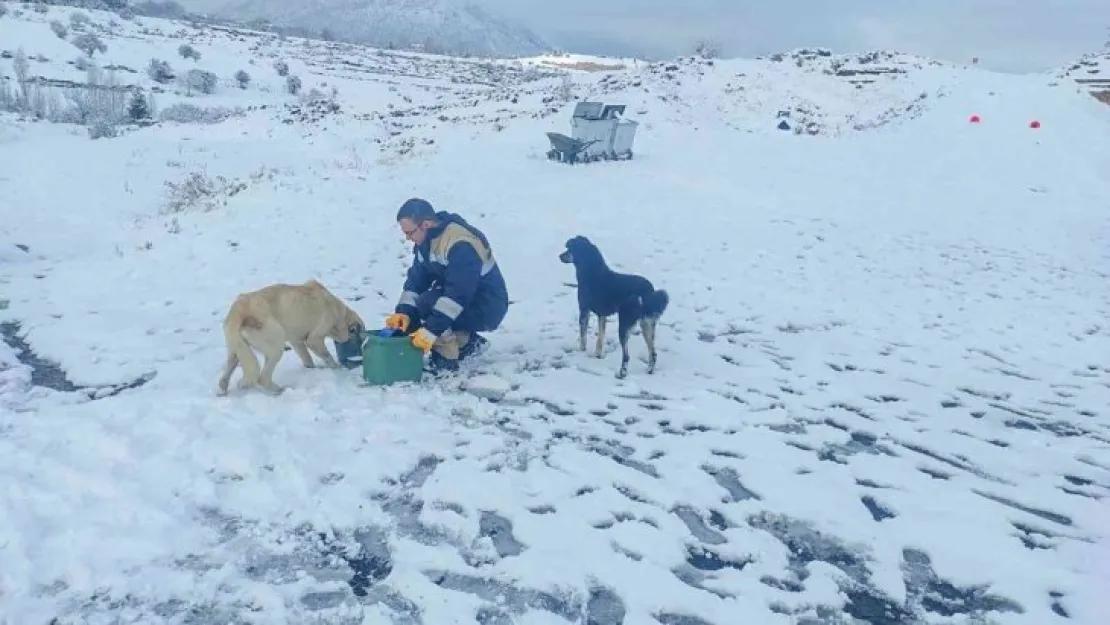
<point>454,281</point>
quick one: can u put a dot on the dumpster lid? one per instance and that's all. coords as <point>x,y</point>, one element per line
<point>589,110</point>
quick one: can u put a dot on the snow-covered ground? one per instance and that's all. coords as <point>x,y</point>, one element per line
<point>1091,67</point>
<point>882,391</point>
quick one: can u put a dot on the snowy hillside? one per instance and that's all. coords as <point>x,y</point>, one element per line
<point>882,386</point>
<point>449,26</point>
<point>1092,73</point>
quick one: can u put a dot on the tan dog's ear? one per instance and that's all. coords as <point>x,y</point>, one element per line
<point>342,334</point>
<point>353,319</point>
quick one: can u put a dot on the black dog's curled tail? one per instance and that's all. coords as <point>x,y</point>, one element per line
<point>655,303</point>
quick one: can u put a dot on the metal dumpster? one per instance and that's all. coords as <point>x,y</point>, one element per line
<point>598,127</point>
<point>623,135</point>
<point>589,126</point>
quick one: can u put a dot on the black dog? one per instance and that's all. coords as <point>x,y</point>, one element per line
<point>604,292</point>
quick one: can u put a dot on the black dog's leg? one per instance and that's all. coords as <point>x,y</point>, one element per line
<point>583,327</point>
<point>624,330</point>
<point>647,328</point>
<point>600,335</point>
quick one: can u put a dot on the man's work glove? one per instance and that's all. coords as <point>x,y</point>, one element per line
<point>398,321</point>
<point>423,340</point>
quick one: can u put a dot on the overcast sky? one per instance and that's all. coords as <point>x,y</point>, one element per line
<point>1008,35</point>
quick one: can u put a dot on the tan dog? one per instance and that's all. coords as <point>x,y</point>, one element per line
<point>266,319</point>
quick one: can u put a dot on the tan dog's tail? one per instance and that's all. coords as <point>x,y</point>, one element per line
<point>238,350</point>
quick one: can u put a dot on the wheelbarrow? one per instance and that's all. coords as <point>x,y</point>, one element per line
<point>566,149</point>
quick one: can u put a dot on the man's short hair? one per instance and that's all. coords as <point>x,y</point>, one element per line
<point>416,210</point>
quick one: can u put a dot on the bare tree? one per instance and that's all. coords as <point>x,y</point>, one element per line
<point>707,49</point>
<point>22,68</point>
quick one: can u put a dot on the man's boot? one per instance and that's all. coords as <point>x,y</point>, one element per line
<point>445,354</point>
<point>476,346</point>
<point>438,365</point>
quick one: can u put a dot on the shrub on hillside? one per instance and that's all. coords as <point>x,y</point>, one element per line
<point>188,52</point>
<point>293,84</point>
<point>242,78</point>
<point>78,20</point>
<point>103,129</point>
<point>198,192</point>
<point>281,67</point>
<point>89,43</point>
<point>200,80</point>
<point>185,113</point>
<point>140,108</point>
<point>59,29</point>
<point>160,71</point>
<point>565,91</point>
<point>3,8</point>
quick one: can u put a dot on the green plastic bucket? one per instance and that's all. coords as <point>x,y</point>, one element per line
<point>388,357</point>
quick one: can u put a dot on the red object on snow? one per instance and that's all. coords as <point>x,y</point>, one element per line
<point>974,119</point>
<point>1034,124</point>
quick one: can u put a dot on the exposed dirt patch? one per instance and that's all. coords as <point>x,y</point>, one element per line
<point>585,66</point>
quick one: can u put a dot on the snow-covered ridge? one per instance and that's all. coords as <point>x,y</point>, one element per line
<point>442,26</point>
<point>821,92</point>
<point>1091,72</point>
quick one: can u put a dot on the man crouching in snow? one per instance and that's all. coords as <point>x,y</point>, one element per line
<point>454,288</point>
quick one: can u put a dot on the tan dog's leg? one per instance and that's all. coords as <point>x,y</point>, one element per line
<point>302,353</point>
<point>316,343</point>
<point>270,340</point>
<point>266,378</point>
<point>239,352</point>
<point>600,336</point>
<point>229,368</point>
